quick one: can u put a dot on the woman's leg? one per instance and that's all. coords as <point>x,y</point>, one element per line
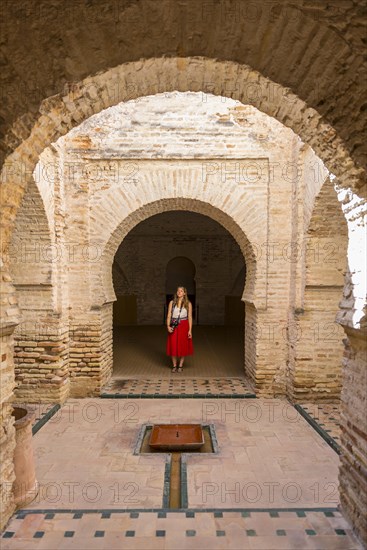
<point>174,363</point>
<point>180,366</point>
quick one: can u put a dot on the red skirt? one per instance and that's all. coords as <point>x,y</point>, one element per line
<point>178,342</point>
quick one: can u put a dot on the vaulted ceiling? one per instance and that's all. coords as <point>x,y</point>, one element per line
<point>314,48</point>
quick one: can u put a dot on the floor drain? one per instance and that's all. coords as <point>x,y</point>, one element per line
<point>175,477</point>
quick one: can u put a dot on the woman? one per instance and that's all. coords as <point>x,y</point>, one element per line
<point>179,339</point>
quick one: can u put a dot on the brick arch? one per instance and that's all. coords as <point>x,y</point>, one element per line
<point>317,52</point>
<point>164,204</point>
<point>233,225</point>
<point>88,97</point>
<point>62,112</point>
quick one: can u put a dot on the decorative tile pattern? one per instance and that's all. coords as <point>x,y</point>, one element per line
<point>262,529</point>
<point>178,387</point>
<point>325,417</point>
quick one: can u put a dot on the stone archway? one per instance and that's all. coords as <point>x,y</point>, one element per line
<point>136,79</point>
<point>178,247</point>
<point>60,118</point>
<point>225,78</point>
<point>95,319</point>
<point>316,52</point>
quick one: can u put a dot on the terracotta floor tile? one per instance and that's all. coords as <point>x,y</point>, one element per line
<point>253,456</point>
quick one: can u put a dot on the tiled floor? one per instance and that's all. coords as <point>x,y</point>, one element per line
<point>272,485</point>
<point>141,368</point>
<point>140,352</point>
<point>327,416</point>
<point>268,456</point>
<point>264,530</point>
<point>179,387</point>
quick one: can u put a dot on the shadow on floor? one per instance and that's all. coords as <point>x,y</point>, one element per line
<point>140,351</point>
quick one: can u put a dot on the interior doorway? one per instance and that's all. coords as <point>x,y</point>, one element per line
<point>179,248</point>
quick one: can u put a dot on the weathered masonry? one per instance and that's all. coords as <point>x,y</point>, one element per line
<point>246,172</point>
<point>55,312</point>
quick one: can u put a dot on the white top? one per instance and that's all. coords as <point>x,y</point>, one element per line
<point>176,312</point>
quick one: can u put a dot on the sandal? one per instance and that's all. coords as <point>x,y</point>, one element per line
<point>174,369</point>
<point>180,369</point>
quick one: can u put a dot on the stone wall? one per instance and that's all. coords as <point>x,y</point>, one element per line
<point>46,130</point>
<point>318,339</point>
<point>353,474</point>
<point>187,152</point>
<point>322,63</point>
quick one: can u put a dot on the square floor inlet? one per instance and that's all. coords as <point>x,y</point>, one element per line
<point>175,494</point>
<point>210,444</point>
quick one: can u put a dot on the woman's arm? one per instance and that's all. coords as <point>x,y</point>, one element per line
<point>190,319</point>
<point>168,320</point>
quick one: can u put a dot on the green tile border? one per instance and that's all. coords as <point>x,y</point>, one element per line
<point>184,492</point>
<point>316,426</point>
<point>167,482</point>
<point>42,421</point>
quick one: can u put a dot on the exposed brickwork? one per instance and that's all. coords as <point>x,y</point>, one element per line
<point>41,357</point>
<point>250,346</point>
<point>90,352</point>
<point>318,341</point>
<point>100,197</point>
<point>353,474</point>
<point>340,103</point>
<point>282,40</point>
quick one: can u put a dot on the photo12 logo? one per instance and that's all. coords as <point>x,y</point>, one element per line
<point>268,493</point>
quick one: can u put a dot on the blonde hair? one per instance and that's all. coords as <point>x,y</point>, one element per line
<point>185,300</point>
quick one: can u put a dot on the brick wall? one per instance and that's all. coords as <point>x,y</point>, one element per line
<point>190,153</point>
<point>318,344</point>
<point>352,474</point>
<point>123,207</point>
